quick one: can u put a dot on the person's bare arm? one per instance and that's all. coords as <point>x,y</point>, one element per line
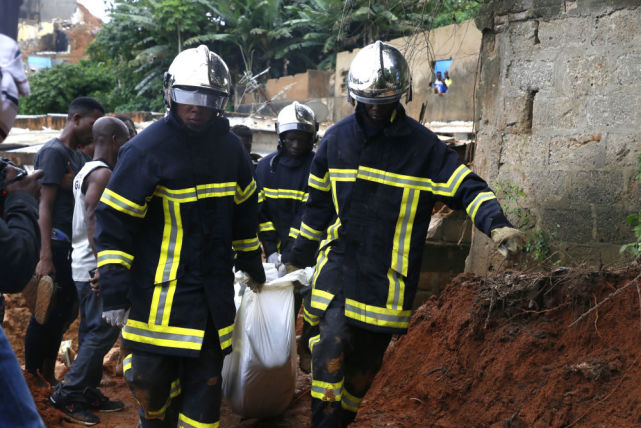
<point>96,183</point>
<point>48,194</point>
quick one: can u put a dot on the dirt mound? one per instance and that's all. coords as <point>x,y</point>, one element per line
<point>501,352</point>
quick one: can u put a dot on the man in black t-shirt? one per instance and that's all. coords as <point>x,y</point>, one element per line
<point>60,159</point>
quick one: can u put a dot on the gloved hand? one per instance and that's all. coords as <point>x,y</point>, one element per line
<point>291,268</point>
<point>510,241</point>
<point>255,286</point>
<point>275,259</point>
<point>116,317</point>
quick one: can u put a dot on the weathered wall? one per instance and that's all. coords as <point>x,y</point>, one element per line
<point>558,109</point>
<point>459,42</point>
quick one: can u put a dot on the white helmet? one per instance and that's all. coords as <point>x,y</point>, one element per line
<point>379,74</point>
<point>296,117</point>
<point>197,77</point>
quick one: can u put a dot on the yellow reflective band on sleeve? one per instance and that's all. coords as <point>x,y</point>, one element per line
<point>285,194</point>
<point>122,204</point>
<point>321,184</point>
<point>473,207</point>
<point>448,188</point>
<point>107,257</point>
<point>293,232</point>
<point>163,336</point>
<point>374,315</point>
<point>403,231</point>
<point>337,174</point>
<point>309,318</point>
<point>350,402</point>
<point>313,341</point>
<point>126,364</point>
<point>266,226</point>
<point>225,335</point>
<point>310,233</point>
<point>242,195</point>
<point>261,196</point>
<point>186,422</point>
<point>321,299</point>
<point>327,391</point>
<point>250,244</point>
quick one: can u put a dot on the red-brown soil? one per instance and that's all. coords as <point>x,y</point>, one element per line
<point>520,366</point>
<point>488,352</point>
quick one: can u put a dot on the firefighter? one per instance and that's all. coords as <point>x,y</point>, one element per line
<point>180,202</point>
<point>282,178</point>
<point>373,182</point>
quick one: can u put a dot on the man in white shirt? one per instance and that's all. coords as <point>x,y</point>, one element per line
<point>78,394</point>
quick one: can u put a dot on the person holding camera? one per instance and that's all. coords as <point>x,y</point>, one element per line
<point>20,243</point>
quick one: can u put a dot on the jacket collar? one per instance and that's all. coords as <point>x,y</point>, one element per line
<point>398,127</point>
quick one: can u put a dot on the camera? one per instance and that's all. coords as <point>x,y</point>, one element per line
<point>5,166</point>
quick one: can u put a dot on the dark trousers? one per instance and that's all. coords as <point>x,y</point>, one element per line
<point>42,341</point>
<point>344,363</point>
<point>177,390</point>
<point>97,339</point>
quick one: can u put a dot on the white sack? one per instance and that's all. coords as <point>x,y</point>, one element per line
<point>259,376</point>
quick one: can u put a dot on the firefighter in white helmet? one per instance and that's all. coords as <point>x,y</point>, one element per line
<point>181,201</point>
<point>373,183</point>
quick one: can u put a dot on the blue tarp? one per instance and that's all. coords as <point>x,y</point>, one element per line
<point>38,62</point>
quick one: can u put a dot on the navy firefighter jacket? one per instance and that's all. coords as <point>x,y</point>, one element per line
<point>178,205</point>
<point>283,192</point>
<point>369,207</point>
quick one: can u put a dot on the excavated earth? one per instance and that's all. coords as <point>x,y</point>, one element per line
<point>496,352</point>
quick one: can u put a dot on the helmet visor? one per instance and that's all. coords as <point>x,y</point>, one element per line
<point>199,97</point>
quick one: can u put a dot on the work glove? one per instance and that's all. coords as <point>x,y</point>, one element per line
<point>255,286</point>
<point>510,241</point>
<point>274,258</point>
<point>116,317</point>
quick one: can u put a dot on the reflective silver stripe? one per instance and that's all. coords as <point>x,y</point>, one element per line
<point>225,337</point>
<point>447,189</point>
<point>318,300</point>
<point>108,257</point>
<point>163,191</point>
<point>162,302</point>
<point>171,248</point>
<point>320,392</point>
<point>477,202</point>
<point>397,290</point>
<point>310,233</point>
<point>338,174</point>
<point>320,184</point>
<point>109,197</point>
<point>407,215</point>
<point>351,402</point>
<point>203,192</point>
<point>239,246</point>
<point>365,314</point>
<point>158,335</point>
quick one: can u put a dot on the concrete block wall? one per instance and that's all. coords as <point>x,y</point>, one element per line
<point>558,105</point>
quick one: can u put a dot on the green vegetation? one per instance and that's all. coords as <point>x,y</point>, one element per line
<point>512,198</point>
<point>634,221</point>
<point>133,50</point>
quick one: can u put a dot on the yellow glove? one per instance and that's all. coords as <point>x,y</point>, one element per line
<point>510,241</point>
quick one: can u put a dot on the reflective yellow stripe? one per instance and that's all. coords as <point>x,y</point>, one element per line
<point>122,204</point>
<point>285,194</point>
<point>321,261</point>
<point>321,184</point>
<point>175,389</point>
<point>176,195</point>
<point>396,291</point>
<point>310,233</point>
<point>448,188</point>
<point>309,318</point>
<point>225,335</point>
<point>186,422</point>
<point>321,299</point>
<point>126,364</point>
<point>261,196</point>
<point>350,402</point>
<point>374,315</point>
<point>327,391</point>
<point>216,190</point>
<point>266,226</point>
<point>293,232</point>
<point>163,336</point>
<point>403,231</point>
<point>107,257</point>
<point>473,207</point>
<point>337,174</point>
<point>313,341</point>
<point>242,195</point>
<point>250,244</point>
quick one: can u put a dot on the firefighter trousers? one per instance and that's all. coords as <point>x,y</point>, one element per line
<point>177,391</point>
<point>344,362</point>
